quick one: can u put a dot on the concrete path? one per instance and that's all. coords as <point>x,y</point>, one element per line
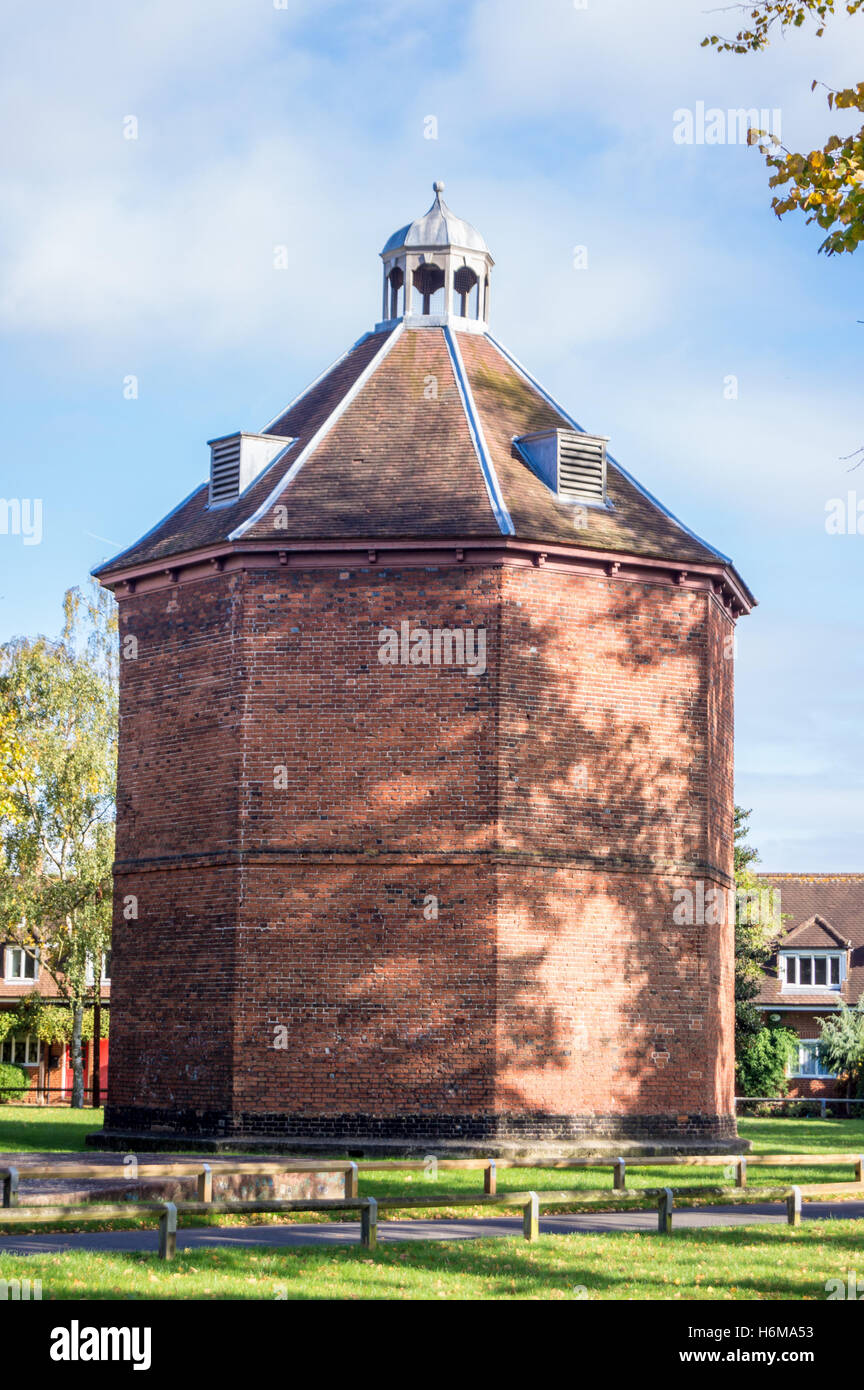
<point>348,1232</point>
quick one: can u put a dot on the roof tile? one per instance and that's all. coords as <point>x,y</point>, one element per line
<point>399,461</point>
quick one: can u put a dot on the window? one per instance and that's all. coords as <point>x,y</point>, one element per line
<point>396,280</point>
<point>428,284</point>
<point>809,1062</point>
<point>20,965</point>
<point>466,293</point>
<point>106,970</point>
<point>811,969</point>
<point>21,1048</point>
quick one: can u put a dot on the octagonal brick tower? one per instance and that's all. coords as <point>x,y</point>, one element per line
<point>426,723</point>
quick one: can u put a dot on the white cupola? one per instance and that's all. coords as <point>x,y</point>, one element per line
<point>436,271</point>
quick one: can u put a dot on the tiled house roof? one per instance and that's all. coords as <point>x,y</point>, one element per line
<point>410,435</point>
<point>821,912</point>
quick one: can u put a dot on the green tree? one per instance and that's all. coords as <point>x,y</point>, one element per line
<point>57,813</point>
<point>842,1046</point>
<point>757,929</point>
<point>827,184</point>
<point>762,1064</point>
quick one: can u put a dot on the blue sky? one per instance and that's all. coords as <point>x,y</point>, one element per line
<point>305,127</point>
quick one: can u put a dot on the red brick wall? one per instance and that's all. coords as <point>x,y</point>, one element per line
<point>615,754</point>
<point>181,712</point>
<point>177,882</point>
<point>553,995</point>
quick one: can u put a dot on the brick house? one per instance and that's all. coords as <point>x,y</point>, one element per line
<point>426,712</point>
<point>819,962</point>
<point>47,1066</point>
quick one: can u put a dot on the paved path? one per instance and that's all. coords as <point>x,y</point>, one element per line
<point>348,1232</point>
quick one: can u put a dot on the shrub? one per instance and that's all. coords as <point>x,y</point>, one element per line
<point>762,1064</point>
<point>11,1076</point>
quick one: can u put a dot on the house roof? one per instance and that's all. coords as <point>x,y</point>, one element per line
<point>410,435</point>
<point>821,912</point>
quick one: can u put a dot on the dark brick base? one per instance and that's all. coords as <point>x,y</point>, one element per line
<point>131,1126</point>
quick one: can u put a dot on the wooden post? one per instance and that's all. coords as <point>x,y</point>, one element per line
<point>531,1217</point>
<point>490,1178</point>
<point>664,1211</point>
<point>168,1232</point>
<point>859,1168</point>
<point>369,1224</point>
<point>352,1181</point>
<point>10,1188</point>
<point>619,1175</point>
<point>793,1206</point>
<point>205,1183</point>
<point>741,1172</point>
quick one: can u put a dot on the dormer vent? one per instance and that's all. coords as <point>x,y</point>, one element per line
<point>236,460</point>
<point>571,464</point>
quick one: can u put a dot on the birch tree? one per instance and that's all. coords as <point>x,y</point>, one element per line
<point>58,699</point>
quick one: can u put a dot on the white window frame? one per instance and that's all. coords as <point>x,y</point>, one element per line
<point>820,1074</point>
<point>89,974</point>
<point>787,956</point>
<point>12,1044</point>
<point>8,977</point>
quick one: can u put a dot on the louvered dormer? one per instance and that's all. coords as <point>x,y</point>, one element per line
<point>236,460</point>
<point>571,464</point>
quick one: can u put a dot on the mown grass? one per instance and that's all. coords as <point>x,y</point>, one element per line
<point>718,1264</point>
<point>43,1129</point>
<point>46,1129</point>
<point>20,1124</point>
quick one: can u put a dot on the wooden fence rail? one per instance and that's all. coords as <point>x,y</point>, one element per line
<point>368,1208</point>
<point>10,1177</point>
<point>431,1166</point>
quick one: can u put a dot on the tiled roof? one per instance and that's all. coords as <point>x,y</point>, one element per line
<point>394,442</point>
<point>819,910</point>
<point>398,462</point>
<point>510,405</point>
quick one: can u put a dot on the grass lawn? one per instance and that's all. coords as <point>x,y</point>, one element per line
<point>732,1264</point>
<point>46,1129</point>
<point>767,1136</point>
<point>28,1128</point>
<point>31,1129</point>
